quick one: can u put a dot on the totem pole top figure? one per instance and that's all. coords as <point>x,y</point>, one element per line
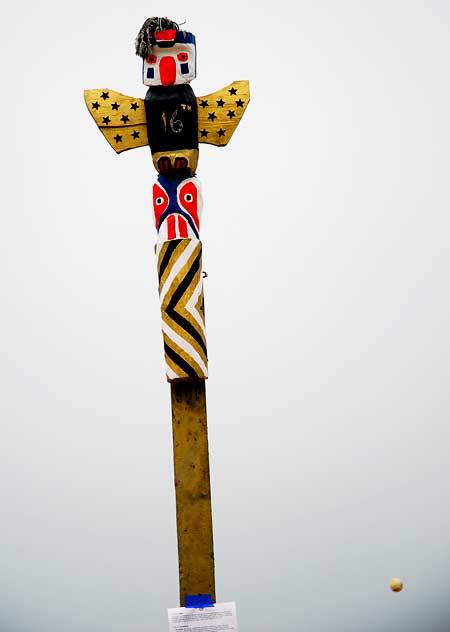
<point>171,119</point>
<point>169,55</point>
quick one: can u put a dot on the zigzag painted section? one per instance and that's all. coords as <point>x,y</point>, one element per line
<point>181,296</point>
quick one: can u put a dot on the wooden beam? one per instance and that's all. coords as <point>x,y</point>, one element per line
<point>192,489</point>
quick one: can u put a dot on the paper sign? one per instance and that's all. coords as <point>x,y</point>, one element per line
<point>220,618</point>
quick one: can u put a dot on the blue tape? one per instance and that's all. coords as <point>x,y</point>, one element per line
<point>198,601</point>
<point>185,37</point>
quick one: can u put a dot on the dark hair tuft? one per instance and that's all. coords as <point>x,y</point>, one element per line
<point>146,37</point>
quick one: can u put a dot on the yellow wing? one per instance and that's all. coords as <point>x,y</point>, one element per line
<point>121,119</point>
<point>220,112</point>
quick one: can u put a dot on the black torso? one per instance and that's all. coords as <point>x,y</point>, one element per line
<point>172,119</point>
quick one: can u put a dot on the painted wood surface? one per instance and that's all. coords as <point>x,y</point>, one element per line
<point>192,489</point>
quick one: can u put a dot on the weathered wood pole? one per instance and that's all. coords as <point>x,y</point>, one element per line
<point>192,489</point>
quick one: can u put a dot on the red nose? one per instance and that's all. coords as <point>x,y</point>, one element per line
<point>167,71</point>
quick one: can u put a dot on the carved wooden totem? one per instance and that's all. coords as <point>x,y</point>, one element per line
<point>172,121</point>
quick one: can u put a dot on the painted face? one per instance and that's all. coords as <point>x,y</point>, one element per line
<point>170,66</point>
<point>178,205</point>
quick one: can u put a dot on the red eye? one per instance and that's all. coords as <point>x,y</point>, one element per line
<point>188,199</point>
<point>151,59</point>
<point>160,202</point>
<point>183,56</point>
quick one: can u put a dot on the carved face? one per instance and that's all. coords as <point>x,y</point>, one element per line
<point>178,205</point>
<point>171,61</point>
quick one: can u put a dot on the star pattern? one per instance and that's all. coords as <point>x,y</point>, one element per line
<point>123,120</point>
<point>219,113</point>
<point>120,118</point>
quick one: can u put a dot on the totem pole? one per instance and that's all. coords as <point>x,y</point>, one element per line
<point>172,121</point>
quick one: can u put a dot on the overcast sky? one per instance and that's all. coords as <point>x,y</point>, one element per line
<point>326,242</point>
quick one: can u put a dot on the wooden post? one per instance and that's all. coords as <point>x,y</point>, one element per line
<point>192,489</point>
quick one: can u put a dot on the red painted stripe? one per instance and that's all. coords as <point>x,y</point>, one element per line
<point>182,227</point>
<point>171,227</point>
<point>164,36</point>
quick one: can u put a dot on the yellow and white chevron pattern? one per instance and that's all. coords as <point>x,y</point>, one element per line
<point>182,311</point>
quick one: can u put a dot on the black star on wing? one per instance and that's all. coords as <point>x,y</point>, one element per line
<point>231,113</point>
<point>240,103</point>
<point>204,133</point>
<point>95,105</point>
<point>106,120</point>
<point>220,103</point>
<point>135,134</point>
<point>203,103</point>
<point>232,91</point>
<point>115,106</point>
<point>118,138</point>
<point>134,106</point>
<point>124,118</point>
<point>104,95</point>
<point>212,116</point>
<point>221,132</point>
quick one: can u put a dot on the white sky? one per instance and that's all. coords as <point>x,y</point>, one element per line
<point>325,232</point>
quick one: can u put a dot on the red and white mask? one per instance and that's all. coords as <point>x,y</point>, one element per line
<point>177,205</point>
